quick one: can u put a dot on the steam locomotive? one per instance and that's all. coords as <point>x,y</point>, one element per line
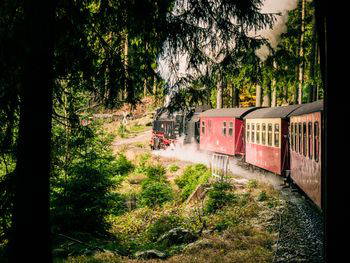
<point>286,141</point>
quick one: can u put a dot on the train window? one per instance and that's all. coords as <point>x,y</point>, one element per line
<point>230,129</point>
<point>203,127</point>
<point>253,133</point>
<point>248,132</point>
<point>258,133</point>
<point>316,141</point>
<point>309,132</point>
<point>269,134</point>
<point>277,135</point>
<point>224,128</point>
<point>304,139</point>
<point>263,134</point>
<point>299,137</point>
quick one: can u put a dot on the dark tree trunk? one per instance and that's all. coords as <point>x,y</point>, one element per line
<point>112,86</point>
<point>31,234</point>
<point>219,92</point>
<point>301,54</point>
<point>235,97</point>
<point>296,88</point>
<point>313,61</point>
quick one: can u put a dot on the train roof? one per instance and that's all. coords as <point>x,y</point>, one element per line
<point>272,112</point>
<point>227,112</point>
<point>315,106</point>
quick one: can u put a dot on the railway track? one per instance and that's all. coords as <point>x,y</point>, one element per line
<point>300,228</point>
<point>299,224</point>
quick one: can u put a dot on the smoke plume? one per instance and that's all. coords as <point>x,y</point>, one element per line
<point>184,152</point>
<point>190,153</point>
<point>273,35</point>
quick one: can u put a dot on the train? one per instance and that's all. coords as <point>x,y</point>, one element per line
<point>285,140</point>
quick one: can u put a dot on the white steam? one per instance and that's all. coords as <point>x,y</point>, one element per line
<point>273,35</point>
<point>190,153</point>
<point>184,152</point>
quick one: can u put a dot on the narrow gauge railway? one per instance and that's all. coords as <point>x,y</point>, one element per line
<point>286,141</point>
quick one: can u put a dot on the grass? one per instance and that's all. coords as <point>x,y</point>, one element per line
<point>173,168</point>
<point>233,232</point>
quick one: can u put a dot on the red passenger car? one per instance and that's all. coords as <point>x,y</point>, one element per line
<point>222,130</point>
<point>305,148</point>
<point>266,138</point>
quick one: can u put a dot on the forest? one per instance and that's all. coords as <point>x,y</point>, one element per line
<point>62,179</point>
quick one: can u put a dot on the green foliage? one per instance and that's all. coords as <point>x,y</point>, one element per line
<point>226,222</point>
<point>192,176</point>
<point>156,172</point>
<point>81,189</point>
<point>122,131</point>
<point>252,184</point>
<point>143,161</point>
<point>6,205</point>
<point>173,168</point>
<point>262,196</point>
<point>219,196</point>
<point>155,193</point>
<point>137,128</point>
<point>122,165</point>
<point>155,190</point>
<point>163,225</point>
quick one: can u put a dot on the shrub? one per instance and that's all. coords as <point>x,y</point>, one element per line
<point>123,165</point>
<point>219,196</point>
<point>163,225</point>
<point>81,187</point>
<point>191,178</point>
<point>155,193</point>
<point>156,172</point>
<point>173,168</point>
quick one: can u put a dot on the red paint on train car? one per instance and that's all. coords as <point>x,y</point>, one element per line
<point>305,168</point>
<point>263,156</point>
<point>216,137</point>
<point>273,159</point>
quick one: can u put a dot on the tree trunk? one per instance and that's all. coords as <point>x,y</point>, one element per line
<point>235,97</point>
<point>258,98</point>
<point>301,54</point>
<point>267,96</point>
<point>31,230</point>
<point>123,91</point>
<point>296,90</point>
<point>273,87</point>
<point>316,59</point>
<point>285,95</point>
<point>155,88</point>
<point>313,61</point>
<point>145,87</point>
<point>219,90</point>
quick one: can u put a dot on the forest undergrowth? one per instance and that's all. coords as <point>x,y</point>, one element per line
<point>225,222</point>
